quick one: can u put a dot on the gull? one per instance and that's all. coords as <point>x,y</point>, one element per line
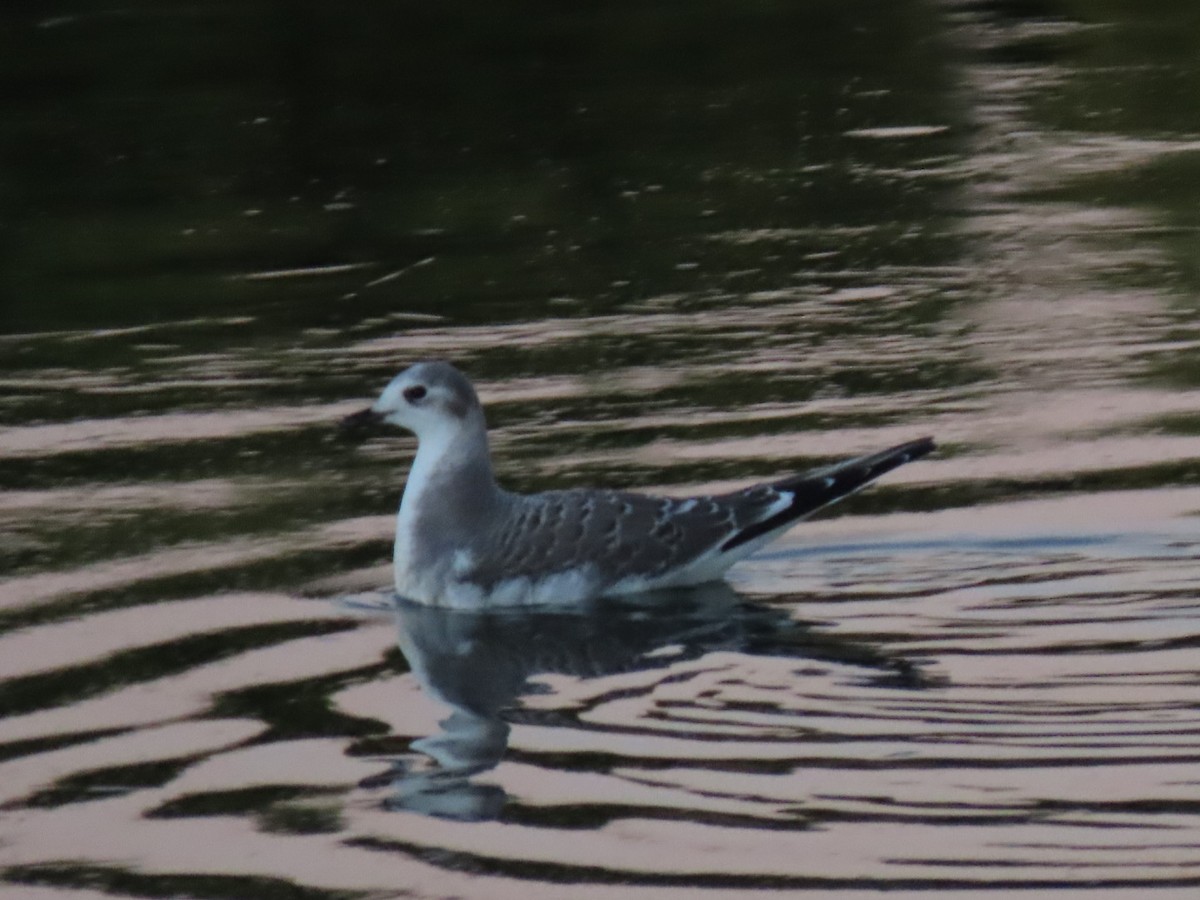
<point>462,541</point>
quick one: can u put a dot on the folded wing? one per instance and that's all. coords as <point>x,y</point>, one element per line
<point>615,535</point>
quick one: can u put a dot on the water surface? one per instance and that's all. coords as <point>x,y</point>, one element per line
<point>678,252</point>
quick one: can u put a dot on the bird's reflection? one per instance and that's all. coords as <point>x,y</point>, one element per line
<point>480,663</point>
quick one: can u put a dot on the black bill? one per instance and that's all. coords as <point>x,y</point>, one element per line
<point>361,422</point>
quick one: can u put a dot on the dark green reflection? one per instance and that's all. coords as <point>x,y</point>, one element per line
<point>295,710</point>
<point>279,808</point>
<point>141,664</point>
<point>107,782</point>
<point>535,150</point>
<point>125,882</point>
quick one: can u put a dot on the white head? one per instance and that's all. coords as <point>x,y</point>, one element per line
<point>430,399</point>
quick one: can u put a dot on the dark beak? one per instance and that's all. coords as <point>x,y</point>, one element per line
<point>361,423</point>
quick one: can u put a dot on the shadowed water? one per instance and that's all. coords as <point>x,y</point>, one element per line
<point>482,665</point>
<point>678,252</point>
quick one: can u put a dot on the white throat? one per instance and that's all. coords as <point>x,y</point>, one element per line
<point>451,468</point>
<point>439,448</point>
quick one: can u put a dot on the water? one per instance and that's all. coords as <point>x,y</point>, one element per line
<point>679,251</point>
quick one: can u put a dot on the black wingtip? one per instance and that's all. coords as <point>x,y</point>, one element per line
<point>854,473</point>
<point>826,485</point>
<point>920,447</point>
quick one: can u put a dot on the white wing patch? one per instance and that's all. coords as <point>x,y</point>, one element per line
<point>571,586</point>
<point>463,563</point>
<point>784,501</point>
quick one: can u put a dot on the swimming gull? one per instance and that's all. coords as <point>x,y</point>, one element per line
<point>465,542</point>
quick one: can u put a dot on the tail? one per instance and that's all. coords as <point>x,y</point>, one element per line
<point>826,485</point>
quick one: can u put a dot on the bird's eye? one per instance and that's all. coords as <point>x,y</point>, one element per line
<point>414,393</point>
